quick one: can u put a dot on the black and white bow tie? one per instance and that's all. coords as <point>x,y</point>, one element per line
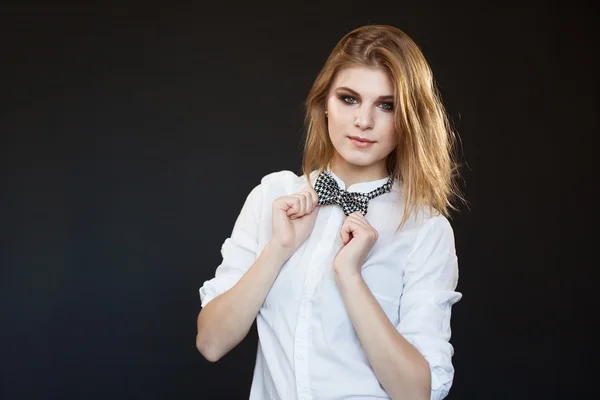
<point>329,192</point>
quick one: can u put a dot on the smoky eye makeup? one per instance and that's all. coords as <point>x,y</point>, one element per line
<point>347,98</point>
<point>351,99</point>
<point>388,106</point>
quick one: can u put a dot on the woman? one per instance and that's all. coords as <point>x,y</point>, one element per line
<point>350,268</point>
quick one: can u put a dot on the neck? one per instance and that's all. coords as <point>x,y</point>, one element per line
<point>351,174</point>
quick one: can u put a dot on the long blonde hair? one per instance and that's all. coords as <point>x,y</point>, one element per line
<point>424,160</point>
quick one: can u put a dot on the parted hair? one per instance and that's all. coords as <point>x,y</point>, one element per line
<point>424,159</point>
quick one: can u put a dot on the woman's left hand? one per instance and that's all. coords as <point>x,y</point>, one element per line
<point>358,237</point>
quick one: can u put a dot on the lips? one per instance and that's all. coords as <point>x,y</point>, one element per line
<point>362,140</point>
<point>360,143</point>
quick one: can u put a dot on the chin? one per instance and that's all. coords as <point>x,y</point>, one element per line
<point>362,160</point>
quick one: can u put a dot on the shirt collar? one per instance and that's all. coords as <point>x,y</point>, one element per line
<point>362,187</point>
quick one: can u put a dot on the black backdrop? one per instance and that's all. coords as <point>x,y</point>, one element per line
<point>131,134</point>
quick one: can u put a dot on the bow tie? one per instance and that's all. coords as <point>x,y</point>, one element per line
<point>329,192</point>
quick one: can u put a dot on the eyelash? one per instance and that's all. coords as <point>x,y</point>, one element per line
<point>345,98</point>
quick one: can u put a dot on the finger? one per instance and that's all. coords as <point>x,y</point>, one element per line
<point>309,202</point>
<point>304,204</point>
<point>345,234</point>
<point>348,229</point>
<point>314,195</point>
<point>308,190</point>
<point>361,224</point>
<point>301,201</point>
<point>289,205</point>
<point>358,216</point>
<point>359,219</point>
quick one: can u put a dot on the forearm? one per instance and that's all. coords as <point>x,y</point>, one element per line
<point>399,367</point>
<point>225,321</point>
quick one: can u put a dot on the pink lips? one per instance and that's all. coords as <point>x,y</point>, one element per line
<point>360,142</point>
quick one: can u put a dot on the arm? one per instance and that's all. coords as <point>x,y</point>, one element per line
<point>399,367</point>
<point>233,298</point>
<point>413,359</point>
<point>225,321</point>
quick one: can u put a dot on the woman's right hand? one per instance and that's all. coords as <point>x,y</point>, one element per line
<point>294,218</point>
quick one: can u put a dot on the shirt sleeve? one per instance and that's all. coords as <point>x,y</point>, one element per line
<point>430,280</point>
<point>239,251</point>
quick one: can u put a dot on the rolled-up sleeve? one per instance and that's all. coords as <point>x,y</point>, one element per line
<point>239,251</point>
<point>430,280</point>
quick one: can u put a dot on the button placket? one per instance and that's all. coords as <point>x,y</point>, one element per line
<point>301,342</point>
<point>300,351</point>
<point>317,264</point>
<point>303,328</point>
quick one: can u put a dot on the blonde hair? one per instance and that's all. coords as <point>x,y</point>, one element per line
<point>423,160</point>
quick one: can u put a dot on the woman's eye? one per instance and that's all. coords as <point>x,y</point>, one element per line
<point>349,99</point>
<point>387,106</point>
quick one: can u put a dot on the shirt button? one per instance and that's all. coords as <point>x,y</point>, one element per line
<point>300,356</point>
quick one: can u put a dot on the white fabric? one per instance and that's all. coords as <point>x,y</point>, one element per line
<point>308,348</point>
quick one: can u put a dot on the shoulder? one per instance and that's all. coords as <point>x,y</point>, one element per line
<point>278,177</point>
<point>282,182</point>
<point>436,225</point>
<point>434,233</point>
<point>426,219</point>
<point>428,226</point>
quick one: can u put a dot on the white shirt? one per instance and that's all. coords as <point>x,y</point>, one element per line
<point>308,348</point>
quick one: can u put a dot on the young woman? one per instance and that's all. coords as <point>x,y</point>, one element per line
<point>350,268</point>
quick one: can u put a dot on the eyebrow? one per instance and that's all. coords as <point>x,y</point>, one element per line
<point>355,93</point>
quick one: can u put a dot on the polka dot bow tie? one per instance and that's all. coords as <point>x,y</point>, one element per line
<point>329,192</point>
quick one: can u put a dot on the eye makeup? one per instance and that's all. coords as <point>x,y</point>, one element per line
<point>350,97</point>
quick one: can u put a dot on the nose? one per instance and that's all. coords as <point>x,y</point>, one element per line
<point>363,118</point>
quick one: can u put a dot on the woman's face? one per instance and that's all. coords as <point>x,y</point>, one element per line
<point>360,115</point>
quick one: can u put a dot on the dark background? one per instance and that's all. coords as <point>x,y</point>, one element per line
<point>131,134</point>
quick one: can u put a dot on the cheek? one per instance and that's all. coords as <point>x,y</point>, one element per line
<point>386,125</point>
<point>338,120</point>
<point>339,113</point>
<point>389,133</point>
